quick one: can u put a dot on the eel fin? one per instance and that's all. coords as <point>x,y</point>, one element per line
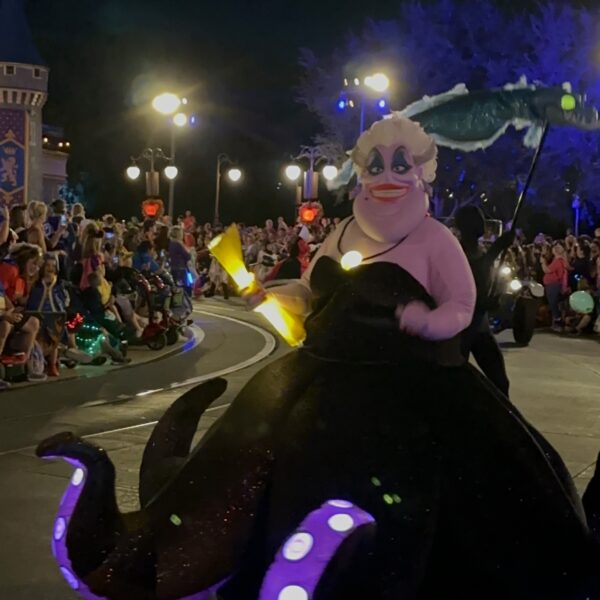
<point>170,442</point>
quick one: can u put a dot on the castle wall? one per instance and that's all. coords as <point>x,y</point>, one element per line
<point>22,97</point>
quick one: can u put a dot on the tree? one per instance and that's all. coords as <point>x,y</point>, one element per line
<point>430,48</point>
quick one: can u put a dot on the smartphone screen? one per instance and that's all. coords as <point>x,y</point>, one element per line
<point>63,220</point>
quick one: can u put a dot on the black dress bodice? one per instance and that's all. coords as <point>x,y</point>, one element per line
<point>353,320</point>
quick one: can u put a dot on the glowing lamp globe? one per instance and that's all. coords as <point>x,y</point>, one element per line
<point>293,172</point>
<point>180,119</point>
<point>133,172</point>
<point>330,172</point>
<point>351,260</point>
<point>234,175</point>
<point>171,172</point>
<point>166,103</point>
<point>378,82</point>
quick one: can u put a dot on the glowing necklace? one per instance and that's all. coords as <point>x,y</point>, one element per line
<point>353,259</point>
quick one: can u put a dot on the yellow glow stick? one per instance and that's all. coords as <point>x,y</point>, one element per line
<point>227,249</point>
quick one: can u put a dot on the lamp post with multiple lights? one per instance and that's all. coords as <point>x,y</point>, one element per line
<point>314,155</point>
<point>233,174</point>
<point>168,104</point>
<point>307,193</point>
<point>356,91</point>
<point>152,175</point>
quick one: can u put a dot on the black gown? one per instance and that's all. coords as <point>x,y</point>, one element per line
<point>487,507</point>
<point>483,505</point>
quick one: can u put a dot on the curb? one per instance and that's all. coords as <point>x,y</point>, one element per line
<point>178,348</point>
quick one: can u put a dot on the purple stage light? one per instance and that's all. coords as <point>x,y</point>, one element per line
<point>302,560</point>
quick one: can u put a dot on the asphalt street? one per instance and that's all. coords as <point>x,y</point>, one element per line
<point>555,383</point>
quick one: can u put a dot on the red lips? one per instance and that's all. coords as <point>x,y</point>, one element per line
<point>389,192</point>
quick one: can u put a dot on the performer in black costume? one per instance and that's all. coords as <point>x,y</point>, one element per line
<point>378,411</point>
<point>478,338</point>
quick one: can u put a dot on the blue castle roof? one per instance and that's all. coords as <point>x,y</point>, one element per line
<point>16,41</point>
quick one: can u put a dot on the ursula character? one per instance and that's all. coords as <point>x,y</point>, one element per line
<point>370,463</point>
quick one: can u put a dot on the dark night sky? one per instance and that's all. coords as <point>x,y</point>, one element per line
<point>236,60</point>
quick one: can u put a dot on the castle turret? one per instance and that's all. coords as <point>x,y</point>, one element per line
<point>23,93</point>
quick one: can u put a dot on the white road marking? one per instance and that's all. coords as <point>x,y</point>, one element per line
<point>267,350</point>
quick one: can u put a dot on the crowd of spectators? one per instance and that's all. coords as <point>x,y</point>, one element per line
<point>61,271</point>
<point>563,266</point>
<point>68,282</point>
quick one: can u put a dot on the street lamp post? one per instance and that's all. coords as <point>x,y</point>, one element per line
<point>314,155</point>
<point>234,175</point>
<point>168,104</point>
<point>152,176</point>
<point>378,82</point>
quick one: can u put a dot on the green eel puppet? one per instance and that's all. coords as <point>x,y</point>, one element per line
<point>371,462</point>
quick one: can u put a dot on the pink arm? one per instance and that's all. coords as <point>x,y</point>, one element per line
<point>452,287</point>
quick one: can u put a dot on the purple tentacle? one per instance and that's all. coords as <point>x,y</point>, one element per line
<point>61,526</point>
<point>302,560</point>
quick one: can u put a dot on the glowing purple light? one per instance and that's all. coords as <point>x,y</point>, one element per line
<point>302,560</point>
<point>382,104</point>
<point>341,104</point>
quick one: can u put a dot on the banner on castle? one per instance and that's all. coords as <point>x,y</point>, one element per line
<point>13,156</point>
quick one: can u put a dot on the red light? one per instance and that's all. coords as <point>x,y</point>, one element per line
<point>152,208</point>
<point>308,214</point>
<point>75,322</point>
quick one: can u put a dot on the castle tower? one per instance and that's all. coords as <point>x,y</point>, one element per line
<point>23,93</point>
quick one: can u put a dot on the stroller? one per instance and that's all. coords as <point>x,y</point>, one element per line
<point>167,307</point>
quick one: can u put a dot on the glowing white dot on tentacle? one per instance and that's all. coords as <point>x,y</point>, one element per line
<point>71,579</point>
<point>293,592</point>
<point>298,546</point>
<point>340,504</point>
<point>78,477</point>
<point>341,523</point>
<point>59,528</point>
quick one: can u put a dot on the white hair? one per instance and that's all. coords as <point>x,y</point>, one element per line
<point>398,131</point>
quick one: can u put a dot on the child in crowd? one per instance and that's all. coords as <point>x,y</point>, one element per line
<point>49,301</point>
<point>98,314</point>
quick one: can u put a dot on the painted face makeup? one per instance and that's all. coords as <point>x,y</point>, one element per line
<point>392,199</point>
